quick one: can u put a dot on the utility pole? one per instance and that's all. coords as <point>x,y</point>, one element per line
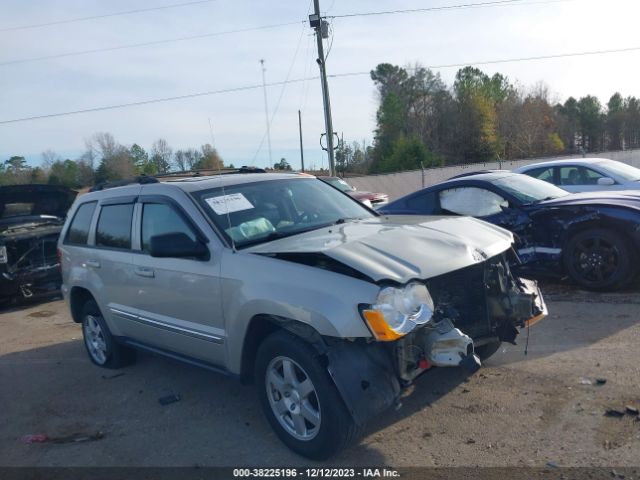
<point>266,111</point>
<point>300,130</point>
<point>316,22</point>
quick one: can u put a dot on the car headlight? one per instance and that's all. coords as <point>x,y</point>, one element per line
<point>398,311</point>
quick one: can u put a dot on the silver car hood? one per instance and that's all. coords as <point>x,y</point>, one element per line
<point>400,248</point>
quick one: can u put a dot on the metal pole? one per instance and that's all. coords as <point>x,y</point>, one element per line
<point>325,87</point>
<point>266,111</point>
<point>300,130</point>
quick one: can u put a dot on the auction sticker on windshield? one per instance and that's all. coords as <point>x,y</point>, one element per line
<point>234,202</point>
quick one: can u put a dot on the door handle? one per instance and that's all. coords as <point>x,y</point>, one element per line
<point>91,264</point>
<point>144,272</point>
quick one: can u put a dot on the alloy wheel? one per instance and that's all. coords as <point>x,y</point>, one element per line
<point>94,339</point>
<point>293,398</point>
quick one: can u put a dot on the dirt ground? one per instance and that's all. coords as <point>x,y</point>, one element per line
<point>518,410</point>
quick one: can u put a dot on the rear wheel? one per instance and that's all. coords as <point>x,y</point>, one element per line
<point>598,259</point>
<point>103,350</point>
<point>299,399</point>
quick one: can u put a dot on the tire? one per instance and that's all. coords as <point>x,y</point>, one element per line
<point>101,347</point>
<point>598,259</point>
<point>487,350</point>
<point>286,369</point>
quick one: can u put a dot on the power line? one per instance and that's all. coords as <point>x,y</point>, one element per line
<point>506,60</point>
<point>297,80</point>
<point>496,3</point>
<point>147,44</point>
<point>249,29</point>
<point>106,15</point>
<point>147,102</point>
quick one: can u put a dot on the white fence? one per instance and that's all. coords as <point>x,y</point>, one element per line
<point>399,184</point>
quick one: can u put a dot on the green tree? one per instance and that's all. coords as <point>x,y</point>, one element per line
<point>591,123</point>
<point>632,123</point>
<point>616,116</point>
<point>282,165</point>
<point>64,173</point>
<point>408,153</point>
<point>141,160</point>
<point>478,96</point>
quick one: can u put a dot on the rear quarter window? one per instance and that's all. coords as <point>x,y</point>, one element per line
<point>114,226</point>
<point>79,229</point>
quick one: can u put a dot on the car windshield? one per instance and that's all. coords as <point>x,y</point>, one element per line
<point>258,212</point>
<point>527,189</point>
<point>622,170</point>
<point>339,184</point>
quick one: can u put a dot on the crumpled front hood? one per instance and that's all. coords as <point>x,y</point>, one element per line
<point>623,198</point>
<point>36,200</point>
<point>400,248</point>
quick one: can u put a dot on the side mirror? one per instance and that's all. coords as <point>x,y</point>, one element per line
<point>177,245</point>
<point>606,181</point>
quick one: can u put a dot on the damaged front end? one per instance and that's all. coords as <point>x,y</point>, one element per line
<point>31,218</point>
<point>475,306</point>
<point>471,307</point>
<point>29,265</point>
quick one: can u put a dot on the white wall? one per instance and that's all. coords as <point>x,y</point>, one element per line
<point>397,185</point>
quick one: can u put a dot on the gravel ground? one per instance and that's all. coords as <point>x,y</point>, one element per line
<point>518,410</point>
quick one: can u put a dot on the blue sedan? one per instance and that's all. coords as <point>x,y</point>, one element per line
<point>594,238</point>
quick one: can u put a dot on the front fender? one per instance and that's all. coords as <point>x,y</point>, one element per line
<point>326,301</point>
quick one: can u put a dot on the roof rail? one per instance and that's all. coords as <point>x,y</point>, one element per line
<point>139,179</point>
<point>210,172</point>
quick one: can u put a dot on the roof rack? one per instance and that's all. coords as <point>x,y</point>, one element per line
<point>140,179</point>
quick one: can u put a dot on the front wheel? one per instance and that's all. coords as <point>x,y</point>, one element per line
<point>598,259</point>
<point>299,399</point>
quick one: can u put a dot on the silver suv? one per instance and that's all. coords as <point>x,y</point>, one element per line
<point>281,279</point>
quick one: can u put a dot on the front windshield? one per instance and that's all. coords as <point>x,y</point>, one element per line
<point>339,184</point>
<point>257,212</point>
<point>527,189</point>
<point>622,170</point>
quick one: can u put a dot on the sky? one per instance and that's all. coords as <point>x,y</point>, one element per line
<point>235,121</point>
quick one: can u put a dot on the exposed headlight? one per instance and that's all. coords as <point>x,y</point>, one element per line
<point>398,311</point>
<point>3,254</point>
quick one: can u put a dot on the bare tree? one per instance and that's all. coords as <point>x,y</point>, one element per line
<point>192,157</point>
<point>49,157</point>
<point>161,154</point>
<point>180,159</point>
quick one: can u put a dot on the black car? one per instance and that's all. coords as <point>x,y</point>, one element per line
<point>594,237</point>
<point>31,217</point>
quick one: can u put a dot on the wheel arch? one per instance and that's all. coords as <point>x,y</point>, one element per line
<point>78,297</point>
<point>263,325</point>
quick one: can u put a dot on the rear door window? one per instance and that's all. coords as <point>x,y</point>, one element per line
<point>79,229</point>
<point>542,173</point>
<point>114,226</point>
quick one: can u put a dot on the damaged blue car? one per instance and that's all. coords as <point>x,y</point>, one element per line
<point>594,238</point>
